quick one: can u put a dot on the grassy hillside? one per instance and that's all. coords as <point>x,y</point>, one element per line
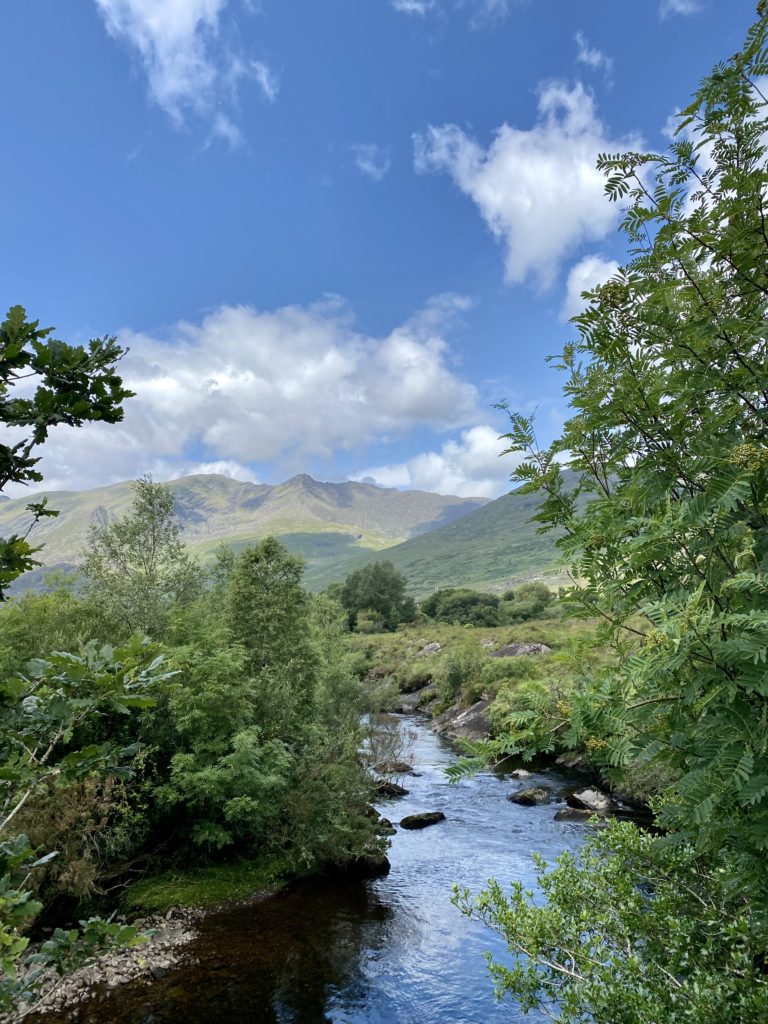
<point>319,520</point>
<point>490,547</point>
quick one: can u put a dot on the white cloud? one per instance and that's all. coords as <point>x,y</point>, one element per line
<point>247,386</point>
<point>269,82</point>
<point>176,41</point>
<point>372,160</point>
<point>538,190</point>
<point>483,10</point>
<point>223,467</point>
<point>678,7</point>
<point>593,58</point>
<point>470,467</point>
<point>413,6</point>
<point>586,275</point>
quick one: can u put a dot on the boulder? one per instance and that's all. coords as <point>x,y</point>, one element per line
<point>432,648</point>
<point>573,814</point>
<point>423,820</point>
<point>385,828</point>
<point>530,797</point>
<point>391,789</point>
<point>411,701</point>
<point>470,724</point>
<point>521,773</point>
<point>515,650</point>
<point>570,760</point>
<point>393,768</point>
<point>373,866</point>
<point>592,799</point>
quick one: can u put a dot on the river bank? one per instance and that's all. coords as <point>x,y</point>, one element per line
<point>390,950</point>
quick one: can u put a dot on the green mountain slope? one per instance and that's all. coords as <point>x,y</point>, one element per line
<point>321,521</point>
<point>490,547</point>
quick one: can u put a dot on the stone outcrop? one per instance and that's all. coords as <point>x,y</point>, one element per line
<point>468,724</point>
<point>515,650</point>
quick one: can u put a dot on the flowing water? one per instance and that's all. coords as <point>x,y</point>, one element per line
<point>391,950</point>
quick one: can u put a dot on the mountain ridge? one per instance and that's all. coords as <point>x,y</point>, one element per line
<point>212,508</point>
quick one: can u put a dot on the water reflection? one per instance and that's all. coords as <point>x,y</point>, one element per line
<point>389,951</point>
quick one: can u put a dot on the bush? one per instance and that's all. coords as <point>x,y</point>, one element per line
<point>462,606</point>
<point>458,670</point>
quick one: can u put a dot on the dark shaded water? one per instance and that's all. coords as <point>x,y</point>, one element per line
<point>386,951</point>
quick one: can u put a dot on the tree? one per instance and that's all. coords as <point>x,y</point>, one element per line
<point>378,587</point>
<point>74,386</point>
<point>138,567</point>
<point>267,613</point>
<point>669,385</point>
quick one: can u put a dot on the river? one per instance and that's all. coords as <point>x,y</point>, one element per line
<point>391,950</point>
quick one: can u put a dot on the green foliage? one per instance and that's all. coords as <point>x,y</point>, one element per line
<point>464,606</point>
<point>138,568</point>
<point>632,932</point>
<point>378,587</point>
<point>73,387</point>
<point>40,713</point>
<point>207,886</point>
<point>669,383</point>
<point>458,670</point>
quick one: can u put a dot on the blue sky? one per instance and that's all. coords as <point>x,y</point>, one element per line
<point>332,233</point>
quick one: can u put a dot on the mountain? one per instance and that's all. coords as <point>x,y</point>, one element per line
<point>490,548</point>
<point>321,521</point>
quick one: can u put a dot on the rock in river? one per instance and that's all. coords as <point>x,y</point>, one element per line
<point>393,768</point>
<point>592,799</point>
<point>573,814</point>
<point>530,797</point>
<point>391,789</point>
<point>422,820</point>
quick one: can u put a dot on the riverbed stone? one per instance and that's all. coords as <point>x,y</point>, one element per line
<point>592,799</point>
<point>423,820</point>
<point>393,768</point>
<point>521,773</point>
<point>391,789</point>
<point>531,797</point>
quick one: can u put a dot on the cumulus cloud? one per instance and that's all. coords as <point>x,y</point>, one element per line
<point>586,275</point>
<point>284,387</point>
<point>470,467</point>
<point>372,160</point>
<point>678,7</point>
<point>176,42</point>
<point>537,189</point>
<point>591,56</point>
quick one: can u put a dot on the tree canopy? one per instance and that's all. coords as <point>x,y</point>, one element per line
<point>74,385</point>
<point>378,587</point>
